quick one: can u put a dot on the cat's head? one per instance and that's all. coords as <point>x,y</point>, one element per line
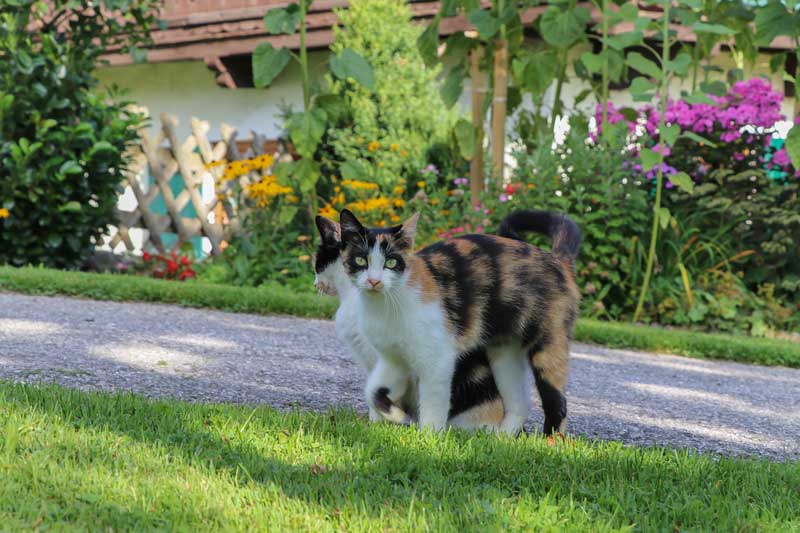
<point>327,266</point>
<point>377,259</point>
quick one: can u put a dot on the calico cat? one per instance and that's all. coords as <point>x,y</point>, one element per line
<point>475,400</point>
<point>469,293</point>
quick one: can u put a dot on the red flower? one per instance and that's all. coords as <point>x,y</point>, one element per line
<point>184,260</point>
<point>512,188</point>
<point>158,274</point>
<point>186,274</point>
<point>172,266</point>
<point>146,257</point>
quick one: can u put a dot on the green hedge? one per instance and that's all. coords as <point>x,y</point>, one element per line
<point>281,300</point>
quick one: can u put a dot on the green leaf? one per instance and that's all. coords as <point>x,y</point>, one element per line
<point>536,71</point>
<point>282,20</point>
<point>699,98</point>
<point>268,63</point>
<point>628,12</point>
<point>792,145</point>
<point>353,169</point>
<point>334,106</point>
<point>70,167</point>
<point>642,89</point>
<point>138,55</point>
<point>625,40</point>
<point>592,62</point>
<point>428,43</point>
<point>458,46</point>
<point>670,134</point>
<point>562,29</point>
<point>716,29</point>
<point>484,22</point>
<point>638,62</point>
<point>680,65</point>
<point>350,64</point>
<point>72,207</point>
<point>694,4</point>
<point>649,158</point>
<point>465,137</point>
<point>774,20</point>
<point>717,88</point>
<point>682,181</point>
<point>306,174</point>
<point>664,217</point>
<point>777,62</point>
<point>698,138</point>
<point>100,147</point>
<point>306,129</point>
<point>453,85</point>
<point>287,214</point>
<point>283,173</point>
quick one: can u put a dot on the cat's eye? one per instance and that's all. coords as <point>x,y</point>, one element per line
<point>361,261</point>
<point>391,263</point>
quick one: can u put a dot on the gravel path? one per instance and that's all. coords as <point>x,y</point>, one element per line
<point>201,355</point>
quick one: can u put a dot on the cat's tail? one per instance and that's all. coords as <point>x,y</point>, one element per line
<point>565,233</point>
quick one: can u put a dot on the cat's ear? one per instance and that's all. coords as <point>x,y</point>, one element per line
<point>329,230</point>
<point>352,230</point>
<point>408,231</point>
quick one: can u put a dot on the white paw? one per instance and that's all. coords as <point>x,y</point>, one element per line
<point>511,425</point>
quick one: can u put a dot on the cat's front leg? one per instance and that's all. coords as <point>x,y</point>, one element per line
<point>386,386</point>
<point>435,387</point>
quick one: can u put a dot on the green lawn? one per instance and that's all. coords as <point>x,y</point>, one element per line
<point>76,460</point>
<point>275,299</point>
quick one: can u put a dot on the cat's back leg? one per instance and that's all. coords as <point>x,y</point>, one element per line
<point>550,364</point>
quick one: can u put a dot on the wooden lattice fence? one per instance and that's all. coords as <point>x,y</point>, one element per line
<point>200,163</point>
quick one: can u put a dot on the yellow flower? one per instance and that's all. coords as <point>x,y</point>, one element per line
<point>364,185</point>
<point>265,190</point>
<point>399,190</point>
<point>421,184</point>
<point>394,218</point>
<point>394,147</point>
<point>303,238</point>
<point>304,258</point>
<point>380,164</point>
<point>434,201</point>
<point>337,189</point>
<point>293,199</point>
<point>381,223</point>
<point>399,202</point>
<point>374,145</point>
<point>403,152</point>
<point>4,213</point>
<point>285,271</point>
<point>329,212</point>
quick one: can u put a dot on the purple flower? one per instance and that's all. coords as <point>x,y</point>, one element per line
<point>461,181</point>
<point>503,198</point>
<point>430,169</point>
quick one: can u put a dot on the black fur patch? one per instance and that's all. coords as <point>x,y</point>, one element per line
<point>381,400</point>
<point>326,255</point>
<point>467,393</point>
<point>553,402</point>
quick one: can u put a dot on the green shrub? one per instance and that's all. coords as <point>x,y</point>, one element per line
<point>62,143</point>
<point>386,133</point>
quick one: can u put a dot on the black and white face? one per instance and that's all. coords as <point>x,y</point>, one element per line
<point>376,259</point>
<point>327,258</point>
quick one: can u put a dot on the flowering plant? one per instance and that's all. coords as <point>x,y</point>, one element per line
<point>733,131</point>
<point>170,266</point>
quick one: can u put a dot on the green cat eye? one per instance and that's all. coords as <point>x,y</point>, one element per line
<point>391,263</point>
<point>361,261</point>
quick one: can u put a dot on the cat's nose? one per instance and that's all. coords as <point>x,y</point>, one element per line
<point>374,283</point>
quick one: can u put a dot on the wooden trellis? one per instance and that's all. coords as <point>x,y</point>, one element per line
<point>161,156</point>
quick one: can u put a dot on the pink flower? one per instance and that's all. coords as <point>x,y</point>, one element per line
<point>503,198</point>
<point>781,158</point>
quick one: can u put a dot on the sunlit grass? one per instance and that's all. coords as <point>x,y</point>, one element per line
<point>71,459</point>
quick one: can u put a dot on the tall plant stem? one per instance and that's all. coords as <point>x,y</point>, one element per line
<point>604,94</point>
<point>476,181</point>
<point>651,253</point>
<point>313,206</point>
<point>562,73</point>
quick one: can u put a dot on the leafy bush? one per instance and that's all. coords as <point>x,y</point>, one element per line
<point>62,144</point>
<point>385,135</point>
